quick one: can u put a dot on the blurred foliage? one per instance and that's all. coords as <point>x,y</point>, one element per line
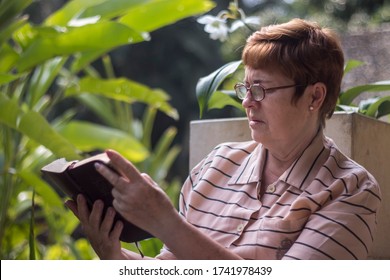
<point>47,73</point>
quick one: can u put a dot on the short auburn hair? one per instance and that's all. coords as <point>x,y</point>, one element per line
<point>303,52</point>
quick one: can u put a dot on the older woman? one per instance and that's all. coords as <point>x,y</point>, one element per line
<point>288,194</point>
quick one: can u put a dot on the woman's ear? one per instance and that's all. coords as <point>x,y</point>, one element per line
<point>317,96</point>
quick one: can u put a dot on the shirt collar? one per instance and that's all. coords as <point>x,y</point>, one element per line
<point>299,174</point>
<point>305,168</point>
<point>251,168</point>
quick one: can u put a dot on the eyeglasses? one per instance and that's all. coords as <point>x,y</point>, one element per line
<point>257,90</point>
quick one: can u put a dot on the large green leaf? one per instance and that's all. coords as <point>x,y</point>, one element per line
<point>69,11</point>
<point>206,86</point>
<point>35,126</point>
<point>92,37</point>
<point>90,137</point>
<point>158,13</point>
<point>125,90</point>
<point>89,9</point>
<point>347,97</point>
<point>112,8</point>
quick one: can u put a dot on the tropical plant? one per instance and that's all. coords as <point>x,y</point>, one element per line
<point>48,74</point>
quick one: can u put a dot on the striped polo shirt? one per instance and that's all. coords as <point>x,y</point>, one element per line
<point>324,206</point>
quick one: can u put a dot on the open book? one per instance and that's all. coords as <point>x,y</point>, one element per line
<point>75,177</point>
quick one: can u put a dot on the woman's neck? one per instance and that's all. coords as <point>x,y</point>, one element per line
<point>280,158</point>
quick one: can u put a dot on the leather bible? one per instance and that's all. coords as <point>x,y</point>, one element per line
<point>75,177</point>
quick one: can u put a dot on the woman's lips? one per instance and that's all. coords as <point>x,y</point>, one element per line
<point>253,123</point>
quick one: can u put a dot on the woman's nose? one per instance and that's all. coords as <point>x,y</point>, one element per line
<point>248,101</point>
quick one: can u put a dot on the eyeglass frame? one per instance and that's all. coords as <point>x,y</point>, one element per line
<point>264,90</point>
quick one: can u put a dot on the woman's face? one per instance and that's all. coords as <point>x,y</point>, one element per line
<point>275,119</point>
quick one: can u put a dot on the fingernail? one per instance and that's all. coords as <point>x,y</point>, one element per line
<point>98,165</point>
<point>99,203</point>
<point>110,211</point>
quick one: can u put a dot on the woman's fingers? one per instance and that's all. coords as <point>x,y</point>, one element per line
<point>72,205</point>
<point>117,230</point>
<point>95,216</point>
<point>108,221</point>
<point>124,166</point>
<point>82,209</point>
<point>119,182</point>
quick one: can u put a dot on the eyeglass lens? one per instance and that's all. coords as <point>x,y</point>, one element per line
<point>256,91</point>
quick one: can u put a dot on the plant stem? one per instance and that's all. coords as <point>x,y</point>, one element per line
<point>8,182</point>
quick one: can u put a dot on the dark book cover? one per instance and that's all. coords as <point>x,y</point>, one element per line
<point>75,177</point>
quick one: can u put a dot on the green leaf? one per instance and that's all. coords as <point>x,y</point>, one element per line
<point>383,109</point>
<point>90,137</point>
<point>11,9</point>
<point>100,107</point>
<point>221,99</point>
<point>35,126</point>
<point>42,188</point>
<point>9,111</point>
<point>43,77</point>
<point>161,160</point>
<point>92,37</point>
<point>6,32</point>
<point>112,8</point>
<point>124,90</point>
<point>158,13</point>
<point>26,34</point>
<point>106,9</point>
<point>206,86</point>
<point>383,104</point>
<point>70,10</point>
<point>8,58</point>
<point>349,95</point>
<point>148,121</point>
<point>83,59</point>
<point>7,78</point>
<point>352,64</point>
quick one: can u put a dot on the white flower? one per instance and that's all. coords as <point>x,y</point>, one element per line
<point>215,26</point>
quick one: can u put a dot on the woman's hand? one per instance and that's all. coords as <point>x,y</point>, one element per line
<point>136,196</point>
<point>99,230</point>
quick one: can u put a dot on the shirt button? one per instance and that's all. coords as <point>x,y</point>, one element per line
<point>271,188</point>
<point>240,227</point>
